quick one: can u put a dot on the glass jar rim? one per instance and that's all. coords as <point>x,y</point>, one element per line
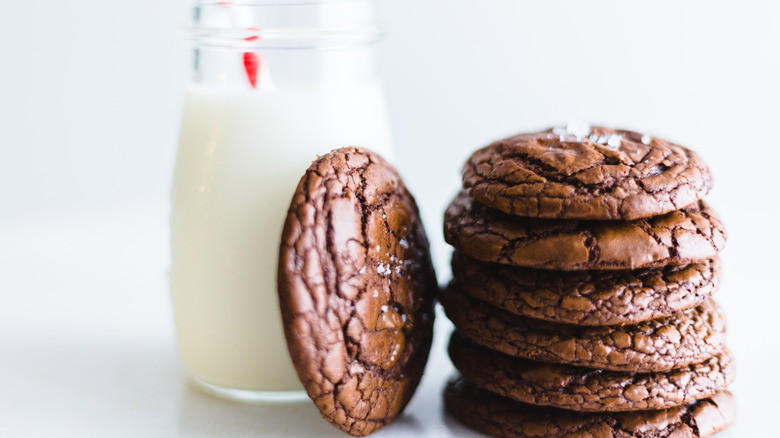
<point>258,24</point>
<point>255,3</point>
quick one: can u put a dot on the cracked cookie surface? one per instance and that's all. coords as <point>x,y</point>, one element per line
<point>498,416</point>
<point>588,297</point>
<point>687,337</point>
<point>356,289</point>
<point>604,174</point>
<point>584,389</point>
<point>693,234</point>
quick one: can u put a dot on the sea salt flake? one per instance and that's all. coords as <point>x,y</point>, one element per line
<point>646,139</point>
<point>615,140</point>
<point>385,308</point>
<point>578,129</point>
<point>376,293</point>
<point>404,244</point>
<point>573,130</point>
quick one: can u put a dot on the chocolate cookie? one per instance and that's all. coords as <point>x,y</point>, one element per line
<point>356,289</point>
<point>601,174</point>
<point>662,344</point>
<point>498,416</point>
<point>693,234</point>
<point>588,297</point>
<point>584,389</point>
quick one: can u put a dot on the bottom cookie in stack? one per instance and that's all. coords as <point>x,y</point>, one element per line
<point>499,416</point>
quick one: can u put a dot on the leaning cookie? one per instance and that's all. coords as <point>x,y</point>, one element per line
<point>356,289</point>
<point>603,173</point>
<point>662,344</point>
<point>584,389</point>
<point>494,415</point>
<point>588,297</point>
<point>690,235</point>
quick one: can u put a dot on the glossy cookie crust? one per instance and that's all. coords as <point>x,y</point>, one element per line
<point>498,416</point>
<point>662,344</point>
<point>356,289</point>
<point>588,297</point>
<point>693,234</point>
<point>603,174</point>
<point>584,389</point>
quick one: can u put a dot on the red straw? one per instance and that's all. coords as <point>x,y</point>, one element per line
<point>252,60</point>
<point>251,65</point>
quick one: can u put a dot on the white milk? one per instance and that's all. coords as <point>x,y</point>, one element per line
<point>241,154</point>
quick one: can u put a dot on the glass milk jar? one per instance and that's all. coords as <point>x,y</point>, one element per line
<point>274,84</point>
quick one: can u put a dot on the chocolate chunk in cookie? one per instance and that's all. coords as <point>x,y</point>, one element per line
<point>588,297</point>
<point>499,416</point>
<point>690,235</point>
<point>601,174</point>
<point>687,337</point>
<point>356,289</point>
<point>584,389</point>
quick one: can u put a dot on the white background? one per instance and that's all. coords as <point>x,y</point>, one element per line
<point>90,98</point>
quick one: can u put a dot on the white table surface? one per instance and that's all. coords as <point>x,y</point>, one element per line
<point>87,346</point>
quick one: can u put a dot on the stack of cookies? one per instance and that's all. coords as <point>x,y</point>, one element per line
<point>583,273</point>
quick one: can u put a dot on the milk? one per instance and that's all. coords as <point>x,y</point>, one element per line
<point>241,154</point>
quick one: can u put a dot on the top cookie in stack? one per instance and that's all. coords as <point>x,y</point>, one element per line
<point>585,261</point>
<point>582,173</point>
